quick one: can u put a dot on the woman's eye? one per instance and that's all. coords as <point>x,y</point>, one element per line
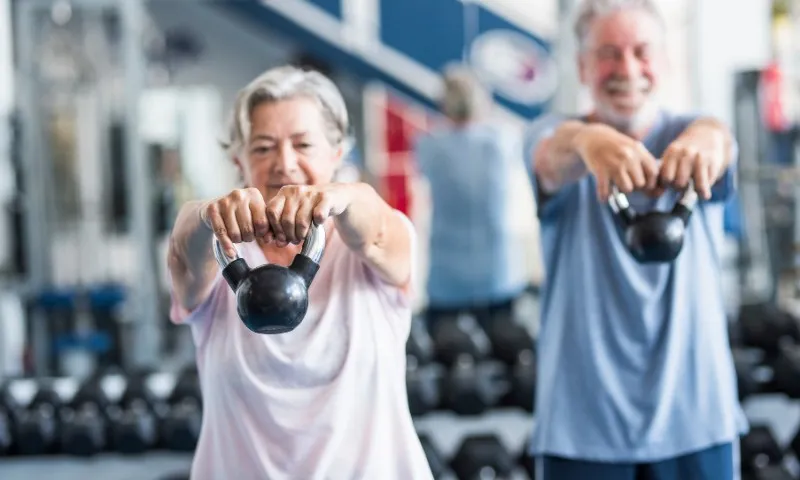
<point>261,150</point>
<point>302,146</point>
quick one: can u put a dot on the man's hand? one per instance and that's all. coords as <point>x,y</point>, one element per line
<point>291,212</point>
<point>616,158</point>
<point>701,154</point>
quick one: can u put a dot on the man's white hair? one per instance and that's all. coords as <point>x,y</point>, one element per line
<point>283,83</point>
<point>589,10</point>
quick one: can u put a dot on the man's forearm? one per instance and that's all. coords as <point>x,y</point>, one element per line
<point>191,260</point>
<point>556,162</point>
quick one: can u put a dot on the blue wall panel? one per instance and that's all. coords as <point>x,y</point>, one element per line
<point>334,7</point>
<point>432,32</point>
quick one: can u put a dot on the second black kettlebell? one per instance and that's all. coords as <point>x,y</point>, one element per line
<point>653,237</point>
<point>272,299</point>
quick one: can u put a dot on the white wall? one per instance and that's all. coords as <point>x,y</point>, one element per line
<point>233,54</point>
<point>722,45</point>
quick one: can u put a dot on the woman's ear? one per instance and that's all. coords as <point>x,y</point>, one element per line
<point>237,164</point>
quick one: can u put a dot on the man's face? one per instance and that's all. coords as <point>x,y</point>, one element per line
<point>623,61</point>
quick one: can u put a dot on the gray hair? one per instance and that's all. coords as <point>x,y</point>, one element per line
<point>464,97</point>
<point>589,10</point>
<point>282,83</point>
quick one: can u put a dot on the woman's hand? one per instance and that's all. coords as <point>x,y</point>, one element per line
<point>291,212</point>
<point>237,217</point>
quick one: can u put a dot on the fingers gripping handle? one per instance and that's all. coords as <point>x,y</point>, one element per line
<point>234,270</point>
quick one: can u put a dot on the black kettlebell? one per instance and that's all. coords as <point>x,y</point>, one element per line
<point>272,299</point>
<point>653,237</point>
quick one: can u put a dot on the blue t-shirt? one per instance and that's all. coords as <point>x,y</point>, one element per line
<point>472,247</point>
<point>634,361</point>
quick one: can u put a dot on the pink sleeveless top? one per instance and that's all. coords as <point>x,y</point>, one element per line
<point>325,401</point>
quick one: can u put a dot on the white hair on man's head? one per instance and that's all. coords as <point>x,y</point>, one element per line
<point>589,10</point>
<point>282,83</point>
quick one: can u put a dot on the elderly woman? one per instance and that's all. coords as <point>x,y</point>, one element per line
<point>468,163</point>
<point>327,399</point>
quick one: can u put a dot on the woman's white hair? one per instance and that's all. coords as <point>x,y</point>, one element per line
<point>463,97</point>
<point>589,10</point>
<point>283,83</point>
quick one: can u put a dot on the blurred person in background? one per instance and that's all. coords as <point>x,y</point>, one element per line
<point>328,399</point>
<point>635,373</point>
<point>468,162</point>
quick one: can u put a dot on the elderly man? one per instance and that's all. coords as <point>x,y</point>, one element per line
<point>635,376</point>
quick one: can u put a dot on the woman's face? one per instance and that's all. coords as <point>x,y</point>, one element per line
<point>287,146</point>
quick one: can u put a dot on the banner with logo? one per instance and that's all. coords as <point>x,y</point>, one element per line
<point>517,65</point>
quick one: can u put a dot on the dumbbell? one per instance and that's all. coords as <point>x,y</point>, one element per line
<point>422,386</point>
<point>33,407</point>
<point>770,472</point>
<point>759,449</point>
<point>509,339</point>
<point>5,432</point>
<point>181,427</point>
<point>766,326</point>
<point>457,335</point>
<point>433,455</point>
<point>752,376</point>
<point>471,387</point>
<point>420,344</point>
<point>482,456</point>
<point>522,382</point>
<point>86,424</point>
<point>143,406</point>
<point>527,461</point>
<point>786,371</point>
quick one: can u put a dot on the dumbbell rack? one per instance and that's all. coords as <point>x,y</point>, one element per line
<point>496,425</point>
<point>766,345</point>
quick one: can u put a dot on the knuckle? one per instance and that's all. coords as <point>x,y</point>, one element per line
<point>302,225</point>
<point>272,212</point>
<point>211,209</point>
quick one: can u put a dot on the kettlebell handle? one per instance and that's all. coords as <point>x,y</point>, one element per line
<point>620,205</point>
<point>313,247</point>
<point>235,269</point>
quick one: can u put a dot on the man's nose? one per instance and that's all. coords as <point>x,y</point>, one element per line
<point>629,65</point>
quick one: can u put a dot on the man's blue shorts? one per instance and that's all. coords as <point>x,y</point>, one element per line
<point>715,463</point>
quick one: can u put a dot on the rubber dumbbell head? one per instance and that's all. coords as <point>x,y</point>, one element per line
<point>759,449</point>
<point>422,386</point>
<point>482,456</point>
